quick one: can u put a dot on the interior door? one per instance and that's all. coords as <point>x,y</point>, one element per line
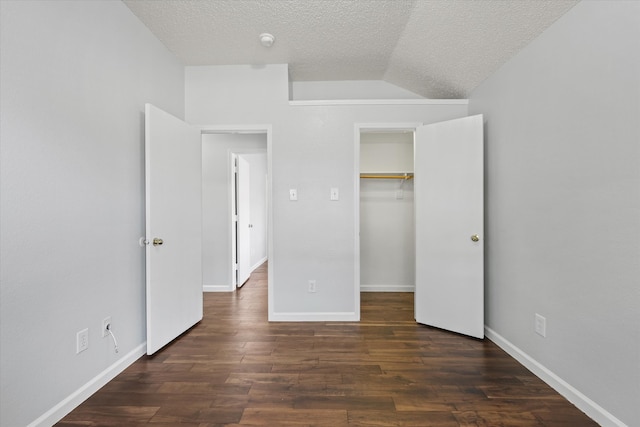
<point>173,184</point>
<point>448,191</point>
<point>244,221</point>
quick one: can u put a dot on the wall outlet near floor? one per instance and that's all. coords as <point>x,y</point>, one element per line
<point>82,340</point>
<point>541,325</point>
<point>106,325</point>
<point>312,286</point>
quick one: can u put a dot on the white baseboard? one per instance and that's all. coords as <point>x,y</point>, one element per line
<point>582,402</point>
<point>387,288</point>
<point>217,288</point>
<point>67,405</point>
<point>314,317</point>
<point>258,264</point>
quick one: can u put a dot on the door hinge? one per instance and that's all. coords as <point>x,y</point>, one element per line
<point>235,267</point>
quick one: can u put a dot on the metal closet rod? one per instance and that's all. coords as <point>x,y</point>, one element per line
<point>368,176</point>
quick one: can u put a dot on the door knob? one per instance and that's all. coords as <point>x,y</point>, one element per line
<point>475,238</point>
<point>157,242</point>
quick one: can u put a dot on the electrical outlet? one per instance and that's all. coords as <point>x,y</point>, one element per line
<point>106,324</point>
<point>312,286</point>
<point>541,325</point>
<point>82,340</point>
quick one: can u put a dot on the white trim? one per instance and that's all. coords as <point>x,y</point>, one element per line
<point>387,288</point>
<point>356,218</point>
<point>232,163</point>
<point>315,317</point>
<point>358,128</point>
<point>330,102</point>
<point>241,129</point>
<point>72,401</point>
<point>582,402</point>
<point>387,127</point>
<point>217,288</point>
<point>259,263</point>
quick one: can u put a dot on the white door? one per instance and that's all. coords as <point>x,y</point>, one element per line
<point>173,184</point>
<point>448,191</point>
<point>243,245</point>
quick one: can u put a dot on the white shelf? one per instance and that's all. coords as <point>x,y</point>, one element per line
<point>379,172</point>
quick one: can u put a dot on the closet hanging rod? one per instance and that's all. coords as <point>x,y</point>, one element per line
<point>405,176</point>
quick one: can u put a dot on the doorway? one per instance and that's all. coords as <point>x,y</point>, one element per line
<point>222,151</point>
<point>249,213</point>
<point>387,232</point>
<point>448,216</point>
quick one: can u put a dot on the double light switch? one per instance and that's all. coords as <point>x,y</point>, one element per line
<point>293,194</point>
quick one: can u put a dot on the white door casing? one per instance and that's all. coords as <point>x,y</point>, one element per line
<point>449,212</point>
<point>173,202</point>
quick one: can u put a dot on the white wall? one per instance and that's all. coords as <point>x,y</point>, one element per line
<point>75,77</point>
<point>313,151</point>
<point>216,200</point>
<point>563,202</point>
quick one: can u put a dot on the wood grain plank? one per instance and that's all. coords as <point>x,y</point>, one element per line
<point>234,368</point>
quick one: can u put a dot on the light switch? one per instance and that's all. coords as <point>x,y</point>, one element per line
<point>335,194</point>
<point>293,194</point>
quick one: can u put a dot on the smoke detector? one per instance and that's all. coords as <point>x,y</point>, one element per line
<point>266,39</point>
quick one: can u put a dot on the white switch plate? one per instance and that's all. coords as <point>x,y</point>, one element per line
<point>293,194</point>
<point>335,194</point>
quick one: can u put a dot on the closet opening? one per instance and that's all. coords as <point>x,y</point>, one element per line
<point>386,210</point>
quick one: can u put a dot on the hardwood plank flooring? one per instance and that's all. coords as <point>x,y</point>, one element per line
<point>236,369</point>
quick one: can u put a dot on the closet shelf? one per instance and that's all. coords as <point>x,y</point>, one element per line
<point>383,175</point>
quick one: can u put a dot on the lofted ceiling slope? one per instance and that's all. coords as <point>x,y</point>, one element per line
<point>435,48</point>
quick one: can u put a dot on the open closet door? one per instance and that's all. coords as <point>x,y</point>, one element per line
<point>173,186</point>
<point>244,221</point>
<point>448,191</point>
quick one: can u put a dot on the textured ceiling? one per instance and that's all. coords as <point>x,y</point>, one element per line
<point>435,48</point>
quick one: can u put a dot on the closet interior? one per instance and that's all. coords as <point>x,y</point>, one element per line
<point>387,229</point>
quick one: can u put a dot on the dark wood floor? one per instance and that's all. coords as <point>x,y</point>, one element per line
<point>236,369</point>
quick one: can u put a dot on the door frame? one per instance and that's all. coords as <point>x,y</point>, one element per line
<point>233,155</point>
<point>250,129</point>
<point>359,128</point>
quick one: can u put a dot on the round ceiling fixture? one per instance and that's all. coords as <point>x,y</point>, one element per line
<point>266,39</point>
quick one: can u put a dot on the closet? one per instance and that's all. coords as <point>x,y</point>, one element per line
<point>421,219</point>
<point>387,231</point>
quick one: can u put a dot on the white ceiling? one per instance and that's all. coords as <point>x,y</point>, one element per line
<point>435,48</point>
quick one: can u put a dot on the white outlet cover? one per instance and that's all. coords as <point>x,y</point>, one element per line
<point>293,194</point>
<point>82,340</point>
<point>106,321</point>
